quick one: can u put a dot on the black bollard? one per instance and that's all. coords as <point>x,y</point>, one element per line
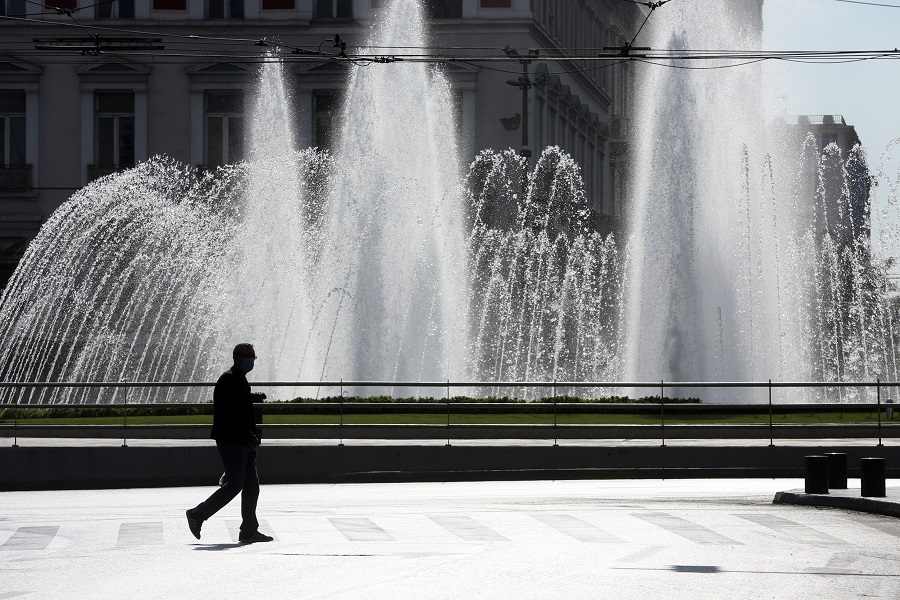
<point>837,470</point>
<point>871,474</point>
<point>817,474</point>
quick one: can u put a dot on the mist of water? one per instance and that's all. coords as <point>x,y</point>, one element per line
<point>390,275</point>
<point>736,229</point>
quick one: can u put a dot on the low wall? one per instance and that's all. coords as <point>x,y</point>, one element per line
<point>471,432</point>
<point>55,467</point>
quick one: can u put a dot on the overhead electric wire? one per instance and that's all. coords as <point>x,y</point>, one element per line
<point>841,62</point>
<point>96,4</point>
<point>157,34</point>
<point>67,12</point>
<point>869,3</point>
<point>670,66</point>
<point>181,47</point>
<point>482,61</point>
<point>572,52</point>
<point>63,10</point>
<point>519,72</point>
<point>652,6</point>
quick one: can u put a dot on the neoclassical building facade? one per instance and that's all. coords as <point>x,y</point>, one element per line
<point>87,88</point>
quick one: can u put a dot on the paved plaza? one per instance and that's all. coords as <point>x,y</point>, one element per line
<point>539,539</point>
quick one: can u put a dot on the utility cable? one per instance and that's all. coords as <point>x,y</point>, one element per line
<point>659,64</point>
<point>652,6</point>
<point>96,4</point>
<point>188,37</point>
<point>869,3</point>
<point>76,9</point>
<point>300,53</point>
<point>519,72</point>
<point>68,13</point>
<point>807,57</point>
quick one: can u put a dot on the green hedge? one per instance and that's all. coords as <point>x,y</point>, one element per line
<point>291,406</point>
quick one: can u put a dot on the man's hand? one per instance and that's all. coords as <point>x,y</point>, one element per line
<point>258,396</point>
<point>254,441</point>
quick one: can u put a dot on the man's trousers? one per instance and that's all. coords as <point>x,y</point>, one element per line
<point>240,478</point>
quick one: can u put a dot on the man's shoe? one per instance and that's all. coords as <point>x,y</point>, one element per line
<point>252,538</point>
<point>194,523</point>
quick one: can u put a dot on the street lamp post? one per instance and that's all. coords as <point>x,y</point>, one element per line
<point>524,83</point>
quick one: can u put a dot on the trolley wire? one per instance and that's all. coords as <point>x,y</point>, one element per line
<point>869,3</point>
<point>195,46</point>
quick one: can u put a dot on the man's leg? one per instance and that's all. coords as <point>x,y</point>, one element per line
<point>235,457</point>
<point>249,496</point>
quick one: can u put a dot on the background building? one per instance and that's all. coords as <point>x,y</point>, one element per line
<point>69,114</point>
<point>841,177</point>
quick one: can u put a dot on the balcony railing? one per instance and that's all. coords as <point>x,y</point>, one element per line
<point>97,171</point>
<point>15,178</point>
<point>807,120</point>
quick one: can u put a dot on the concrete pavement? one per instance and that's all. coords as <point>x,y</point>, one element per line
<point>653,539</point>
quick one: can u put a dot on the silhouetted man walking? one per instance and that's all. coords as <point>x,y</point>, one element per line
<point>237,438</point>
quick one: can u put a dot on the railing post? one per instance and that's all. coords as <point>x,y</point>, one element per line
<point>125,421</point>
<point>878,397</point>
<point>771,433</point>
<point>662,411</point>
<point>555,436</point>
<point>16,423</point>
<point>341,423</point>
<point>448,412</point>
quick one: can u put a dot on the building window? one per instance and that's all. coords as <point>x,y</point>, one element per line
<point>551,138</point>
<point>169,4</point>
<point>278,4</point>
<point>224,120</point>
<point>540,125</point>
<point>117,9</point>
<point>114,133</point>
<point>12,129</point>
<point>563,140</point>
<point>12,8</point>
<point>225,9</point>
<point>334,9</point>
<point>553,19</point>
<point>326,109</point>
<point>599,184</point>
<point>443,9</point>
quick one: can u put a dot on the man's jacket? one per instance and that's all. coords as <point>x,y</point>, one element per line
<point>234,419</point>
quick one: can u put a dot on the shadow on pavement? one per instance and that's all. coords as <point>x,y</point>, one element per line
<point>218,547</point>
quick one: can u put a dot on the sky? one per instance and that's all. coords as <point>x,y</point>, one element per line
<point>866,93</point>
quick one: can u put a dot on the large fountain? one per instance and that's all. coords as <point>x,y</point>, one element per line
<point>720,259</point>
<point>364,276</point>
<point>388,261</point>
<point>749,255</point>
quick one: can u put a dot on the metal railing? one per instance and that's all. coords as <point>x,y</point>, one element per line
<point>550,402</point>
